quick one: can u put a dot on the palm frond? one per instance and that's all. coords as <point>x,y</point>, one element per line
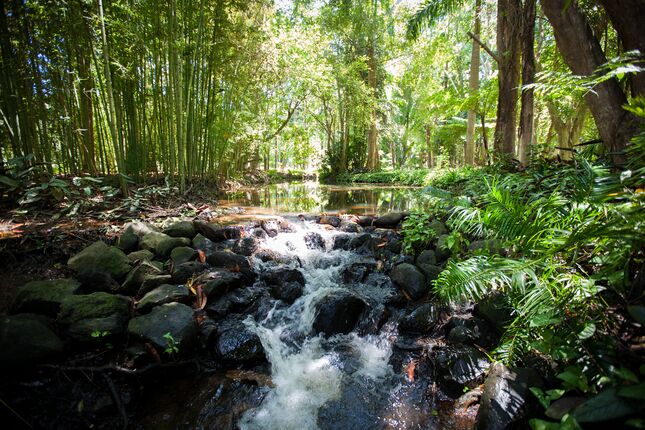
<point>428,13</point>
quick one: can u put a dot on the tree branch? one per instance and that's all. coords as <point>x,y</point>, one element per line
<point>483,45</point>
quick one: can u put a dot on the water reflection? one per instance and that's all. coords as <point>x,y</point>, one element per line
<point>313,197</point>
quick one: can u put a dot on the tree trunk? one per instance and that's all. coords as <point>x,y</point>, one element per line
<point>627,17</point>
<point>528,77</point>
<point>508,45</point>
<point>583,54</point>
<point>473,83</point>
<point>372,136</point>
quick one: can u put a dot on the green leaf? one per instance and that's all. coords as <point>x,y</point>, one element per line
<point>10,182</point>
<point>633,391</point>
<point>544,319</point>
<point>638,313</point>
<point>607,405</point>
<point>588,331</point>
<point>574,378</point>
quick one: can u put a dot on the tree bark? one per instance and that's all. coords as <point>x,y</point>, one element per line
<point>582,52</point>
<point>528,77</point>
<point>508,46</point>
<point>372,136</point>
<point>627,17</point>
<point>473,84</point>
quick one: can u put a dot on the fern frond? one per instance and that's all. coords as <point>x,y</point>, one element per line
<point>429,12</point>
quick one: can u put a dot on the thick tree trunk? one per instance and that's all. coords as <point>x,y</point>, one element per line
<point>473,84</point>
<point>508,45</point>
<point>528,77</point>
<point>627,17</point>
<point>583,54</point>
<point>372,136</point>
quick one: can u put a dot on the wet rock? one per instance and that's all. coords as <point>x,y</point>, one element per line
<point>136,277</point>
<point>162,244</point>
<point>469,330</point>
<point>183,272</point>
<point>421,320</point>
<point>442,251</point>
<point>181,229</point>
<point>350,227</point>
<point>103,257</point>
<point>271,227</point>
<point>430,271</point>
<point>183,254</point>
<point>43,297</point>
<point>142,255</point>
<point>427,256</point>
<point>365,221</point>
<point>259,234</point>
<point>362,243</point>
<point>286,284</point>
<point>338,313</point>
<point>236,343</point>
<point>410,280</point>
<point>163,294</point>
<point>270,255</point>
<point>358,272</point>
<point>333,221</point>
<point>27,339</point>
<point>81,316</point>
<point>462,334</point>
<point>438,227</point>
<point>488,246</point>
<point>459,366</point>
<point>246,246</point>
<point>390,220</point>
<point>215,283</point>
<point>176,319</point>
<point>314,240</point>
<point>232,262</point>
<point>215,233</point>
<point>132,233</point>
<point>237,301</point>
<point>495,310</point>
<point>204,244</point>
<point>94,280</point>
<point>341,241</point>
<point>504,399</point>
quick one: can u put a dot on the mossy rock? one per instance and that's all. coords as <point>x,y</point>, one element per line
<point>44,297</point>
<point>132,233</point>
<point>101,256</point>
<point>142,255</point>
<point>173,319</point>
<point>26,339</point>
<point>183,254</point>
<point>181,229</point>
<point>163,294</point>
<point>137,276</point>
<point>162,244</point>
<point>102,313</point>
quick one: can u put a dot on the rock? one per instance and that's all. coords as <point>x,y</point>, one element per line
<point>442,251</point>
<point>81,316</point>
<point>142,255</point>
<point>314,240</point>
<point>246,246</point>
<point>462,334</point>
<point>259,234</point>
<point>410,280</point>
<point>461,365</point>
<point>286,284</point>
<point>488,246</point>
<point>495,310</point>
<point>204,244</point>
<point>365,221</point>
<point>94,280</point>
<point>101,256</point>
<point>358,272</point>
<point>430,271</point>
<point>232,262</point>
<point>390,220</point>
<point>237,301</point>
<point>236,343</point>
<point>362,243</point>
<point>215,233</point>
<point>183,272</point>
<point>421,320</point>
<point>271,227</point>
<point>350,227</point>
<point>43,297</point>
<point>333,221</point>
<point>26,339</point>
<point>163,294</point>
<point>181,229</point>
<point>162,244</point>
<point>341,241</point>
<point>136,277</point>
<point>182,254</point>
<point>151,282</point>
<point>438,227</point>
<point>426,257</point>
<point>132,232</point>
<point>215,283</point>
<point>337,313</point>
<point>504,399</point>
<point>174,320</point>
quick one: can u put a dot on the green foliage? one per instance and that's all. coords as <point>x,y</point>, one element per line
<point>417,232</point>
<point>172,347</point>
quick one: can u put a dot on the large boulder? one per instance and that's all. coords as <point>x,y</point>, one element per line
<point>99,256</point>
<point>163,294</point>
<point>102,313</point>
<point>505,397</point>
<point>165,326</point>
<point>390,220</point>
<point>421,320</point>
<point>162,244</point>
<point>236,343</point>
<point>26,339</point>
<point>338,313</point>
<point>143,271</point>
<point>43,297</point>
<point>181,229</point>
<point>132,232</point>
<point>410,280</point>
